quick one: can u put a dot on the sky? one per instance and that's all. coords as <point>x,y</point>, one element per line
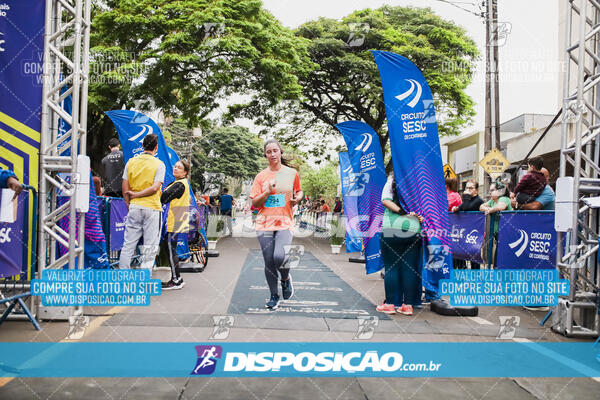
<point>528,58</point>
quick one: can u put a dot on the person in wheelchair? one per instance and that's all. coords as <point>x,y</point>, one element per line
<point>178,195</point>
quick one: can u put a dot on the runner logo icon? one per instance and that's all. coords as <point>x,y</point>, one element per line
<point>413,85</point>
<point>207,359</point>
<point>522,239</point>
<point>142,134</point>
<point>366,143</point>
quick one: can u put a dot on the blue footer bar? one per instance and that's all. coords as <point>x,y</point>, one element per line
<point>299,359</point>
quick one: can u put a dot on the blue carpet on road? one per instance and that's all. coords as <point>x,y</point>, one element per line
<point>319,292</point>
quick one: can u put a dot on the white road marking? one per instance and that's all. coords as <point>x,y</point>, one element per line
<point>300,287</point>
<point>308,310</point>
<point>480,321</point>
<point>298,269</point>
<point>308,303</point>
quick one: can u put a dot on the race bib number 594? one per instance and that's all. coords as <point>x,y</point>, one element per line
<point>275,200</point>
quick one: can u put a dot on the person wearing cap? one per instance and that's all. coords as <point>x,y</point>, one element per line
<point>8,180</point>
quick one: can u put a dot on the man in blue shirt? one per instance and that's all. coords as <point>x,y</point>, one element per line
<point>226,204</point>
<point>545,201</point>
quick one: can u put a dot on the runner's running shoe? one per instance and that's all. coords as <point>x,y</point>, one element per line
<point>273,302</point>
<point>406,309</point>
<point>386,308</point>
<point>171,285</point>
<point>287,288</point>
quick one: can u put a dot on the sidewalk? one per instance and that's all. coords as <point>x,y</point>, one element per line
<point>188,315</point>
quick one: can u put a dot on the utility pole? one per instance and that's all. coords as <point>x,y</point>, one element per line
<point>492,109</point>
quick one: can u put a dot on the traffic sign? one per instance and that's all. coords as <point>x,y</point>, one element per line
<point>494,163</point>
<point>449,172</point>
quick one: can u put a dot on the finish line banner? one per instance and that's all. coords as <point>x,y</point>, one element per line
<point>21,78</point>
<point>293,359</point>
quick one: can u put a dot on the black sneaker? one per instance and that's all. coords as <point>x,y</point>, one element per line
<point>273,302</point>
<point>171,285</point>
<point>287,288</point>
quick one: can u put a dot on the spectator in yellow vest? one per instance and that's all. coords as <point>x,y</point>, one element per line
<point>178,195</point>
<point>142,179</point>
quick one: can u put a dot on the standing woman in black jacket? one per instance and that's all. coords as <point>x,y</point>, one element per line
<point>178,194</point>
<point>470,198</point>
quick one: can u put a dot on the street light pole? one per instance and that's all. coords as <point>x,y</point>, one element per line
<point>492,109</point>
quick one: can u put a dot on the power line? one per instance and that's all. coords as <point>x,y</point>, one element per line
<point>456,4</point>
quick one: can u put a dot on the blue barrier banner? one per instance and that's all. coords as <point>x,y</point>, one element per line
<point>467,231</point>
<point>297,359</point>
<point>526,240</point>
<point>101,202</point>
<point>95,254</point>
<point>417,159</point>
<point>354,241</point>
<point>12,241</point>
<point>366,159</point>
<point>183,250</point>
<point>118,215</point>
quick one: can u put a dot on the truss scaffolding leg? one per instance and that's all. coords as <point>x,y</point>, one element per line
<point>66,66</point>
<point>577,314</point>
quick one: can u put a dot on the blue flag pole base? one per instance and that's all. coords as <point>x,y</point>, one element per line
<point>212,253</point>
<point>358,259</point>
<point>192,268</point>
<point>440,307</point>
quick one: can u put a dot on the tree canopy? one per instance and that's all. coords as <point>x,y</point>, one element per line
<point>187,58</point>
<point>184,57</point>
<point>345,85</point>
<point>321,182</point>
<point>231,150</point>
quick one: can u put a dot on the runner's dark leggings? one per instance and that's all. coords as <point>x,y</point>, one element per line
<point>173,257</point>
<point>274,252</point>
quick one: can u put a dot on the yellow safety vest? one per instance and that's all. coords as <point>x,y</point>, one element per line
<point>140,174</point>
<point>179,210</point>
